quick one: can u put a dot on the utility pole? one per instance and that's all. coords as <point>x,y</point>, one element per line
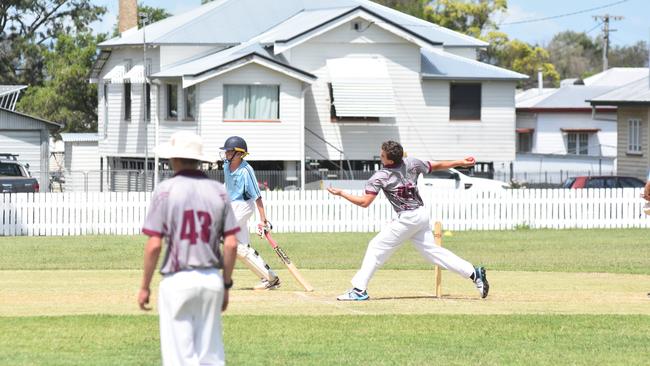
<point>606,18</point>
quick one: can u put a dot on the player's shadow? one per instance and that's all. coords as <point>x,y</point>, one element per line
<point>422,297</point>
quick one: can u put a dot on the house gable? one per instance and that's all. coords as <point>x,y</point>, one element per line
<point>359,15</point>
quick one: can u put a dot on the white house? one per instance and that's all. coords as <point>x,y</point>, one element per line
<point>558,131</point>
<point>303,81</point>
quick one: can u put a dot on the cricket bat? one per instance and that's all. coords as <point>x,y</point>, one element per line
<point>287,262</point>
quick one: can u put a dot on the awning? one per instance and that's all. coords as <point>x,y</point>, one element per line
<point>525,130</point>
<point>361,87</point>
<point>580,130</point>
<point>135,75</point>
<point>116,75</point>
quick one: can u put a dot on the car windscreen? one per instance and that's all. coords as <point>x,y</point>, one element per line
<point>440,174</point>
<point>9,170</point>
<point>568,183</point>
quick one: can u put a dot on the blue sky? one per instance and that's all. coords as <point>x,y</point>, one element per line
<point>631,29</point>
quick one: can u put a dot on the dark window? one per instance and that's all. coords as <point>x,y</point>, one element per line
<point>172,101</point>
<point>127,101</point>
<point>9,170</point>
<point>524,142</point>
<point>595,183</point>
<point>465,102</point>
<point>628,182</point>
<point>147,95</point>
<point>441,174</point>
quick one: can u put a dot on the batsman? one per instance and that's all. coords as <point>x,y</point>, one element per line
<point>245,195</point>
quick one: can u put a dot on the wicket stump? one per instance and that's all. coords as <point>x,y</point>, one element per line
<point>437,235</point>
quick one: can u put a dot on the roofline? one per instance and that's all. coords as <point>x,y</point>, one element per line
<point>619,103</point>
<point>360,7</point>
<point>157,44</point>
<point>59,125</point>
<point>467,78</point>
<point>255,53</point>
<point>563,109</point>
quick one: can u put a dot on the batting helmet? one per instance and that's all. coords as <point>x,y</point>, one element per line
<point>235,143</point>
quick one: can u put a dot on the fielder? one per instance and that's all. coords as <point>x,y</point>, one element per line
<point>398,180</point>
<point>245,195</point>
<point>194,215</point>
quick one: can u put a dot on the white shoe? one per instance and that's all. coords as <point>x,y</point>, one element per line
<point>267,285</point>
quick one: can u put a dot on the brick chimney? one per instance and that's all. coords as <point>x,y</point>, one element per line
<point>128,17</point>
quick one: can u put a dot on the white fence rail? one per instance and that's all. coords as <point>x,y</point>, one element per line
<point>79,213</point>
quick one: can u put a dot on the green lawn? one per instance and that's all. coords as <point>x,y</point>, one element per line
<point>341,340</point>
<point>610,251</point>
<point>546,307</point>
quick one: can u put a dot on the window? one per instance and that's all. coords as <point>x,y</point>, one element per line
<point>524,142</point>
<point>172,101</point>
<point>578,143</point>
<point>147,96</point>
<point>190,102</point>
<point>465,102</point>
<point>629,182</point>
<point>334,117</point>
<point>633,136</point>
<point>9,170</point>
<point>251,102</point>
<point>127,101</point>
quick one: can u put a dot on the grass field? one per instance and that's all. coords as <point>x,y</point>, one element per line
<point>557,297</point>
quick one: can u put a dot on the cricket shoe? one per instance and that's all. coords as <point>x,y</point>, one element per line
<point>481,282</point>
<point>267,285</point>
<point>354,295</point>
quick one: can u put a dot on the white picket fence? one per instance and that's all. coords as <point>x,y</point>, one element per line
<point>79,213</point>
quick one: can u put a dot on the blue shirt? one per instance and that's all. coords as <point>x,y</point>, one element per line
<point>242,183</point>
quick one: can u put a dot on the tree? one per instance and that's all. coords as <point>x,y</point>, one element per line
<point>520,57</point>
<point>28,28</point>
<point>635,55</point>
<point>472,17</point>
<point>66,95</point>
<point>575,54</point>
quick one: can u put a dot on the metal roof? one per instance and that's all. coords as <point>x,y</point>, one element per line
<point>438,64</point>
<point>617,76</point>
<point>79,137</point>
<point>570,96</point>
<point>54,124</point>
<point>225,57</point>
<point>228,22</point>
<point>637,92</point>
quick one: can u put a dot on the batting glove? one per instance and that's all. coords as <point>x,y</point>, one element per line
<point>263,229</point>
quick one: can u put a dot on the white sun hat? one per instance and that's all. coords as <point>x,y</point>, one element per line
<point>185,145</point>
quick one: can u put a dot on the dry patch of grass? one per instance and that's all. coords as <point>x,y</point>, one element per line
<point>73,292</point>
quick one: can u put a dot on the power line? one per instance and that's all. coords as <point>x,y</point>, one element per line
<point>564,15</point>
<point>592,29</point>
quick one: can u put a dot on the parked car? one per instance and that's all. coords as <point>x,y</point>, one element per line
<point>609,181</point>
<point>14,177</point>
<point>453,179</point>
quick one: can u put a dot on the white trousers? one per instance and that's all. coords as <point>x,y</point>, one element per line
<point>243,211</point>
<point>189,304</point>
<point>414,225</point>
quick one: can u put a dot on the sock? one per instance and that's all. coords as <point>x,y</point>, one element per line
<point>358,290</point>
<point>473,276</point>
